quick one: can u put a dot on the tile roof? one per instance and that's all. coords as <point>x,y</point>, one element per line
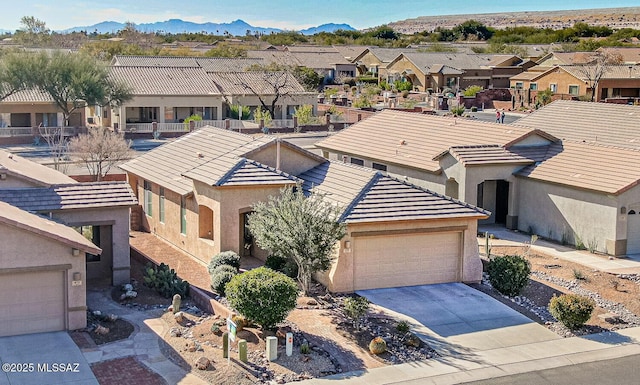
<point>629,55</point>
<point>369,196</point>
<point>610,72</point>
<point>29,96</point>
<point>462,61</point>
<point>263,83</point>
<point>154,61</point>
<point>603,123</point>
<point>277,57</point>
<point>588,166</point>
<point>350,52</point>
<point>230,170</point>
<point>220,64</point>
<point>70,196</point>
<point>165,80</point>
<point>413,140</point>
<point>320,60</point>
<point>168,164</point>
<point>386,55</point>
<point>15,217</point>
<point>31,171</point>
<point>495,154</point>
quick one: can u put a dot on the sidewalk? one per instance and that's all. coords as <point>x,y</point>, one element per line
<point>498,362</point>
<point>502,237</point>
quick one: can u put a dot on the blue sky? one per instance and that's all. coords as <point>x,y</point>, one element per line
<point>285,14</point>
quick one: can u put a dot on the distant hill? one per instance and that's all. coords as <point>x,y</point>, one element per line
<point>236,28</point>
<point>331,27</point>
<point>616,18</point>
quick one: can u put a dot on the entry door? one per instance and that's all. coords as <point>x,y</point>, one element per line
<point>633,232</point>
<point>502,201</point>
<point>247,237</point>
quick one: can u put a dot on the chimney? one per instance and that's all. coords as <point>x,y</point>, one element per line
<point>344,159</point>
<point>278,154</point>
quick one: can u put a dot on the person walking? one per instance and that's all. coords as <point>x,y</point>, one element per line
<point>497,116</point>
<point>502,117</point>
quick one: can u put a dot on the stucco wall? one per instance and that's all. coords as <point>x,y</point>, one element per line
<point>118,218</point>
<point>167,101</point>
<point>24,249</point>
<point>13,182</point>
<point>291,161</point>
<point>558,212</point>
<point>339,278</point>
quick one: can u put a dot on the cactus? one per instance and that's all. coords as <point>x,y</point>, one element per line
<point>225,345</point>
<point>240,321</point>
<point>176,303</point>
<point>377,345</point>
<point>165,281</point>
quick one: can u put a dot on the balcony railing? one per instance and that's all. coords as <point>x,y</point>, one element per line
<point>39,131</point>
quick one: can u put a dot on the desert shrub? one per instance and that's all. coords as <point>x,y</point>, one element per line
<point>224,258</point>
<point>305,349</point>
<point>457,110</point>
<point>471,90</point>
<point>355,308</point>
<point>281,264</point>
<point>378,345</point>
<point>349,81</point>
<point>571,309</point>
<point>220,276</point>
<point>403,327</point>
<point>403,85</point>
<point>474,109</point>
<point>165,281</point>
<point>509,274</point>
<point>262,295</point>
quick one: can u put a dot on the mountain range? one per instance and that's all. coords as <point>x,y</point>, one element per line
<point>235,28</point>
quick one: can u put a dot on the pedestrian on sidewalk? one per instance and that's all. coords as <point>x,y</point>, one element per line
<point>502,117</point>
<point>497,116</point>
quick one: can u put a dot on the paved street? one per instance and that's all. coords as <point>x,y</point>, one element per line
<point>619,371</point>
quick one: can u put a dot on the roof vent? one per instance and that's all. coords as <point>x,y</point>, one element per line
<point>403,142</point>
<point>199,154</point>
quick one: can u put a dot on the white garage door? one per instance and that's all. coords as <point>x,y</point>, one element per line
<point>406,260</point>
<point>32,303</point>
<point>633,233</point>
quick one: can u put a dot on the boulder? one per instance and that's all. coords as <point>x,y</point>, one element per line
<point>101,330</point>
<point>179,317</point>
<point>203,363</point>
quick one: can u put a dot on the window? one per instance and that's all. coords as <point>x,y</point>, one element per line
<point>92,233</point>
<point>161,205</point>
<point>183,216</point>
<point>519,85</point>
<point>378,166</point>
<point>574,90</point>
<point>553,87</point>
<point>533,86</point>
<point>148,199</point>
<point>357,161</point>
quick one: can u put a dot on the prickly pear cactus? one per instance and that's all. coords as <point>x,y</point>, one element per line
<point>176,303</point>
<point>377,345</point>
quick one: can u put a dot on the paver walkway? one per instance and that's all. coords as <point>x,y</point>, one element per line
<point>143,343</point>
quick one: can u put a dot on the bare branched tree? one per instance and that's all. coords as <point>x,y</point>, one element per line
<point>100,150</point>
<point>595,69</point>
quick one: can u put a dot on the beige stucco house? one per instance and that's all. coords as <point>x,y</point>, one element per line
<point>58,236</point>
<point>196,194</point>
<point>546,174</point>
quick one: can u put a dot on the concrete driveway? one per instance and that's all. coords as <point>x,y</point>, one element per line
<point>454,314</point>
<point>44,358</point>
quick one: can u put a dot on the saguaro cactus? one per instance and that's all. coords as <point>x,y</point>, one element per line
<point>176,303</point>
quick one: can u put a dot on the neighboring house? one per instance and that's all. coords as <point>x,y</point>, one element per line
<point>170,89</point>
<point>374,60</point>
<point>33,108</point>
<point>92,218</point>
<point>568,190</point>
<point>326,61</point>
<point>435,71</point>
<point>197,192</point>
<point>573,81</point>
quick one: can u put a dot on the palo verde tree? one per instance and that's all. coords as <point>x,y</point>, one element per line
<point>100,150</point>
<point>302,229</point>
<point>14,74</point>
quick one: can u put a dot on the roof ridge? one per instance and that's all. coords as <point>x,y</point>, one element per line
<point>596,144</point>
<point>273,169</point>
<point>360,196</point>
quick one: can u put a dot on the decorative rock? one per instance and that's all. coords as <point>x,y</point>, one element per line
<point>127,287</point>
<point>312,302</point>
<point>179,317</point>
<point>101,330</point>
<point>175,332</point>
<point>203,363</point>
<point>112,318</point>
<point>192,346</point>
<point>97,313</point>
<point>131,294</point>
<point>170,309</point>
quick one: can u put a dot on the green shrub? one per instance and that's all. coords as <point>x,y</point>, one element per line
<point>509,274</point>
<point>262,295</point>
<point>355,308</point>
<point>224,258</point>
<point>474,109</point>
<point>471,90</point>
<point>165,281</point>
<point>403,85</point>
<point>305,349</point>
<point>403,327</point>
<point>220,276</point>
<point>571,309</point>
<point>457,110</point>
<point>367,79</point>
<point>281,264</point>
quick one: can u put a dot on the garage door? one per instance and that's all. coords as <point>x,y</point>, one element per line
<point>633,233</point>
<point>406,260</point>
<point>32,302</point>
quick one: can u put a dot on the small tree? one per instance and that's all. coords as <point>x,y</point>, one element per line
<point>100,150</point>
<point>236,111</point>
<point>263,115</point>
<point>303,230</point>
<point>544,97</point>
<point>262,295</point>
<point>472,90</point>
<point>192,118</point>
<point>509,274</point>
<point>355,308</point>
<point>304,114</point>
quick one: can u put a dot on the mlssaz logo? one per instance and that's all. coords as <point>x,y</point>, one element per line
<point>59,367</point>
